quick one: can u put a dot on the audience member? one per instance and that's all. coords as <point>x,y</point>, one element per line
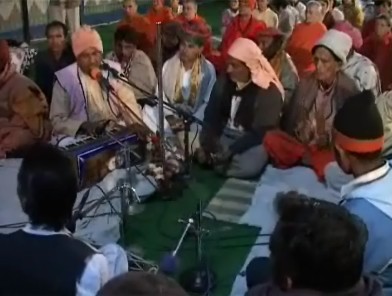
<point>304,37</point>
<point>317,248</point>
<point>159,13</point>
<point>23,109</point>
<point>244,104</point>
<point>272,44</point>
<point>135,64</point>
<point>353,13</point>
<point>141,283</point>
<point>305,138</point>
<point>229,14</point>
<point>288,16</point>
<point>358,67</point>
<point>55,57</point>
<point>300,7</point>
<point>265,14</point>
<point>358,142</point>
<point>378,47</point>
<point>44,258</point>
<point>382,7</point>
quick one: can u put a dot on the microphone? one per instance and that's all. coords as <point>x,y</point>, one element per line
<point>117,74</point>
<point>149,101</point>
<point>97,75</point>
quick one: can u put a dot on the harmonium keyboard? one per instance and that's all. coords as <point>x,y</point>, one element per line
<point>91,155</point>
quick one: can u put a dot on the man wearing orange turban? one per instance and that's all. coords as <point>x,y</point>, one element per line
<point>244,25</point>
<point>80,104</point>
<point>23,111</point>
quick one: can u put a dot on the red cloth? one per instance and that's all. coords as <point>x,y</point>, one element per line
<point>368,28</point>
<point>5,56</point>
<point>379,52</point>
<point>286,152</point>
<point>198,26</point>
<point>236,29</point>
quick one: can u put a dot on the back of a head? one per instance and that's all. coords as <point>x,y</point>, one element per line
<point>141,284</point>
<point>317,245</point>
<point>47,186</point>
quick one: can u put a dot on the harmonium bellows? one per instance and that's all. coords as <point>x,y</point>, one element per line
<point>91,155</point>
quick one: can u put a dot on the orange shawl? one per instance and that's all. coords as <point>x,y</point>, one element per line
<point>162,14</point>
<point>301,43</point>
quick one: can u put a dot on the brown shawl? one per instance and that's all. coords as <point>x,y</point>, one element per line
<point>301,104</point>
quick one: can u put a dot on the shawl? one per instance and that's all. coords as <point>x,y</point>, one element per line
<point>262,73</point>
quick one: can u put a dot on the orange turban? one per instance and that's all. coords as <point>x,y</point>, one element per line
<point>5,56</point>
<point>85,38</point>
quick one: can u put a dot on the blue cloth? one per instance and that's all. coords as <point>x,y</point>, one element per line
<point>370,198</point>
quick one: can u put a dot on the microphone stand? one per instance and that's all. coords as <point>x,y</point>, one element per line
<point>200,279</point>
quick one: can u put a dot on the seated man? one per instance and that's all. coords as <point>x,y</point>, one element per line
<point>142,283</point>
<point>23,109</point>
<point>189,19</point>
<point>57,56</point>
<point>305,35</point>
<point>358,67</point>
<point>141,25</point>
<point>307,120</point>
<point>272,44</point>
<point>244,104</point>
<point>135,64</point>
<point>80,104</point>
<point>187,79</point>
<point>316,248</point>
<point>159,13</point>
<point>44,258</point>
<point>243,25</point>
<point>358,141</point>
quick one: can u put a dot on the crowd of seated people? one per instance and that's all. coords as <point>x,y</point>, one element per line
<point>291,84</point>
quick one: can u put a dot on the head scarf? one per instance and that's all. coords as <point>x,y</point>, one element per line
<point>5,55</point>
<point>350,30</point>
<point>262,73</point>
<point>337,42</point>
<point>85,38</point>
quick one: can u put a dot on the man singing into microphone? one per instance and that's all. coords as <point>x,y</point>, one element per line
<point>83,103</point>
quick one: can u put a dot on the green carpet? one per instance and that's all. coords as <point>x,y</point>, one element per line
<point>157,231</point>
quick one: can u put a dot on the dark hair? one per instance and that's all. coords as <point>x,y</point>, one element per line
<point>47,186</point>
<point>56,24</point>
<point>141,283</point>
<point>127,34</point>
<point>385,18</point>
<point>382,2</point>
<point>281,4</point>
<point>317,244</point>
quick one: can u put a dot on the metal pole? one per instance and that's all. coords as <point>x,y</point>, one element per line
<point>25,21</point>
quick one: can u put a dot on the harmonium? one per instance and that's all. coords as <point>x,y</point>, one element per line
<point>92,155</point>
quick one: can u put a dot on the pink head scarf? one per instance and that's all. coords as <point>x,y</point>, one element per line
<point>85,38</point>
<point>262,73</point>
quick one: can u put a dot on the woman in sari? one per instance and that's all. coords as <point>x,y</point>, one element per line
<point>306,124</point>
<point>244,104</point>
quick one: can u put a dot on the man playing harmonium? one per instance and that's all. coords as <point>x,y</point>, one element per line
<point>81,104</point>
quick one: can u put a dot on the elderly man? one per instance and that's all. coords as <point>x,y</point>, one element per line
<point>23,109</point>
<point>304,37</point>
<point>83,105</point>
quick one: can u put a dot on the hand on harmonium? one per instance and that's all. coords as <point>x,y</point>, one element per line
<point>95,128</point>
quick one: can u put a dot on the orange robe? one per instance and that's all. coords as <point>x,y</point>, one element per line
<point>143,26</point>
<point>205,30</point>
<point>285,152</point>
<point>236,29</point>
<point>301,43</point>
<point>163,14</point>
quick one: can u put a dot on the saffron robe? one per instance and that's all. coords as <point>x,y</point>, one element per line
<point>163,14</point>
<point>301,43</point>
<point>236,29</point>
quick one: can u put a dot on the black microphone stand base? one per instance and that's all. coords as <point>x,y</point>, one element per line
<point>198,280</point>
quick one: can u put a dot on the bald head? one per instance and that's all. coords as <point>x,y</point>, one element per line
<point>314,12</point>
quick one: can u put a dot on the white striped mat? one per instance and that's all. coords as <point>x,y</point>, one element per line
<point>232,201</point>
